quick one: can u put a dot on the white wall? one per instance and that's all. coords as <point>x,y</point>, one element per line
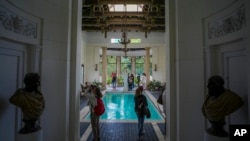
<point>190,69</point>
<point>159,58</point>
<point>191,84</point>
<point>84,47</point>
<point>84,54</point>
<point>58,71</point>
<point>92,53</point>
<point>54,68</point>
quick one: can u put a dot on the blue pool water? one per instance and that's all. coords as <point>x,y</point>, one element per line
<point>120,106</point>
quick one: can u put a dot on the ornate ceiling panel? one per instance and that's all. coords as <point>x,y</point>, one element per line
<point>96,16</point>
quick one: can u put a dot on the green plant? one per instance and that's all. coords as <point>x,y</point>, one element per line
<point>98,84</point>
<point>135,81</point>
<point>153,85</point>
<point>109,80</point>
<point>120,81</point>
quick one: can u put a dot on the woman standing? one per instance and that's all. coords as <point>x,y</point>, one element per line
<point>92,93</point>
<point>140,103</point>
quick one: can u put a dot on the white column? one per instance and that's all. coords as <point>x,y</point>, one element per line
<point>104,66</point>
<point>133,65</point>
<point>147,64</point>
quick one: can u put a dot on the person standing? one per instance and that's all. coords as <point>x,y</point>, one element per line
<point>92,93</point>
<point>132,81</point>
<point>144,80</point>
<point>112,76</point>
<point>129,82</point>
<point>114,80</point>
<point>140,101</point>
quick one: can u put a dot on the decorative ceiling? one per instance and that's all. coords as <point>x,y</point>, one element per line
<point>98,16</point>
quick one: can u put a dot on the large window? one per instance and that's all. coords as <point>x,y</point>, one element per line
<point>127,7</point>
<point>132,41</point>
<point>111,67</point>
<point>125,65</point>
<point>139,65</point>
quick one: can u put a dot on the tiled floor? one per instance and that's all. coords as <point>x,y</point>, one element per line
<point>121,131</point>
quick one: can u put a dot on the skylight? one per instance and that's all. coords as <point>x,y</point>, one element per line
<point>128,7</point>
<point>133,41</point>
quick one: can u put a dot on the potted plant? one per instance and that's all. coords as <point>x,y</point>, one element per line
<point>98,84</point>
<point>153,85</point>
<point>120,81</point>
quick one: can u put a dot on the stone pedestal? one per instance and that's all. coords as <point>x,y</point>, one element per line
<point>35,136</point>
<point>209,137</point>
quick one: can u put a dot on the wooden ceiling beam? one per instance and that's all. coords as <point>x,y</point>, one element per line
<point>118,29</point>
<point>125,25</point>
<point>126,1</point>
<point>128,14</point>
<point>97,17</point>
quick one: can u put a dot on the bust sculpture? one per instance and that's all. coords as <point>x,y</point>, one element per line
<point>31,102</point>
<point>219,103</point>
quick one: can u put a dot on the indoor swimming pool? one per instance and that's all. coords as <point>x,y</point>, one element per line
<point>120,107</point>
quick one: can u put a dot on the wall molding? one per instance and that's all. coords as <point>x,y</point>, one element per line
<point>18,25</point>
<point>227,25</point>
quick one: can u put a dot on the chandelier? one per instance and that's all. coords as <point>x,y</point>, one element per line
<point>124,40</point>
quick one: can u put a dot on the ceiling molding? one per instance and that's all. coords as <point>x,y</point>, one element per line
<point>97,17</point>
